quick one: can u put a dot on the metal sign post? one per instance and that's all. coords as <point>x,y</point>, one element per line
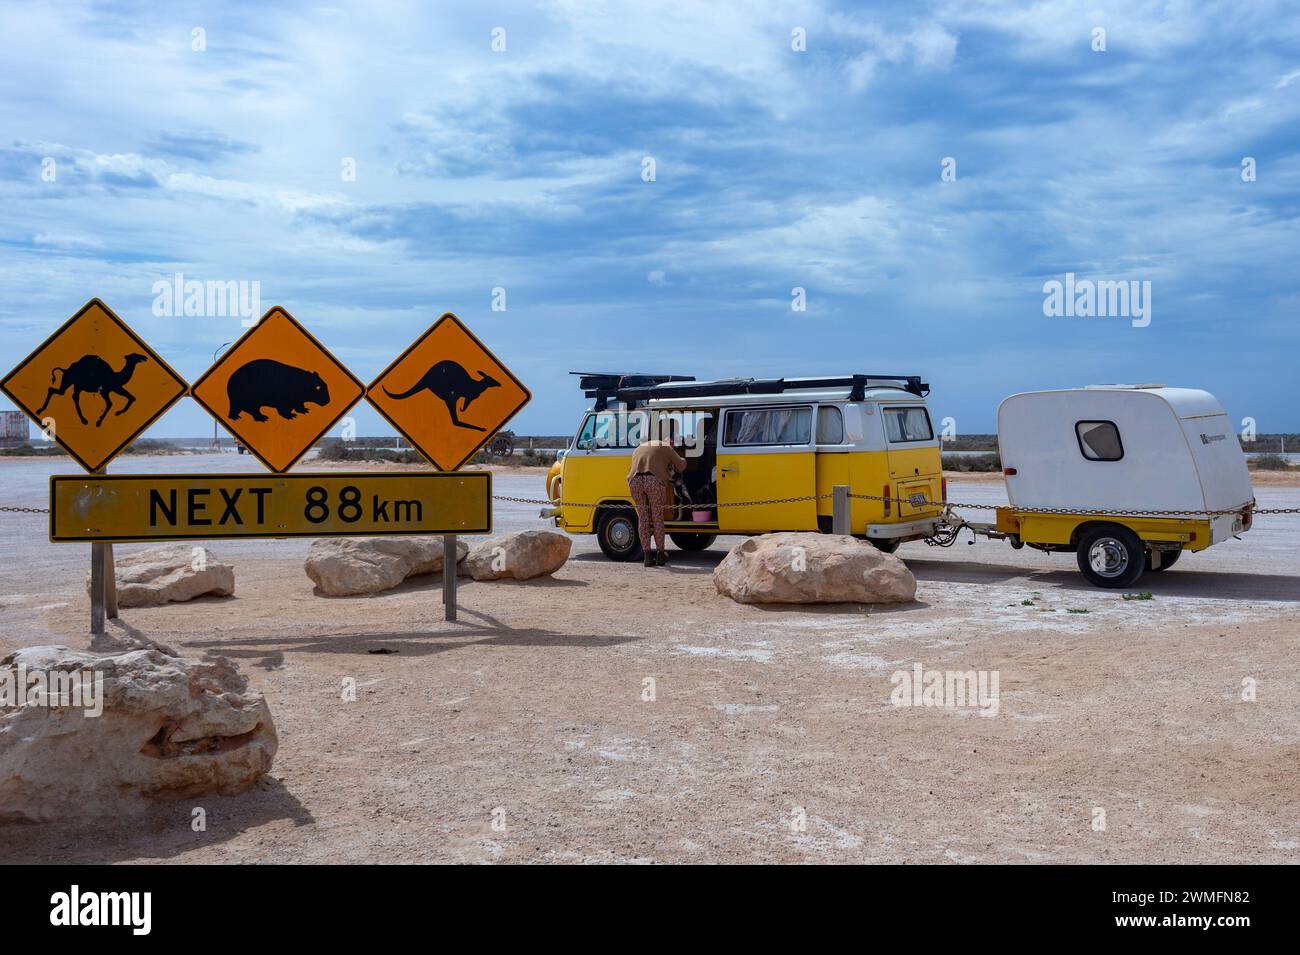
<point>103,584</point>
<point>449,577</point>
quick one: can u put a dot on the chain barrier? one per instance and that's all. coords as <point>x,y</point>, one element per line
<point>915,501</point>
<point>919,502</point>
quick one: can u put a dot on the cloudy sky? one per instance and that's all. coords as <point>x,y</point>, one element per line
<point>774,168</point>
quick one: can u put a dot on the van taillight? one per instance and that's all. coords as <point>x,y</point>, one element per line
<point>887,501</point>
<point>943,490</point>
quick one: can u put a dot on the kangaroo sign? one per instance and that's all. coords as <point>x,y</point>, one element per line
<point>93,385</point>
<point>447,394</point>
<point>277,390</point>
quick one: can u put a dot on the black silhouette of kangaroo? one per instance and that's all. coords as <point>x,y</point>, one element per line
<point>452,383</point>
<point>92,373</point>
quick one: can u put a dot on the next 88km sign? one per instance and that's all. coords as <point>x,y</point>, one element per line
<point>134,507</point>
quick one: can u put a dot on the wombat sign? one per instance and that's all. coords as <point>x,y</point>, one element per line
<point>449,381</point>
<point>266,383</point>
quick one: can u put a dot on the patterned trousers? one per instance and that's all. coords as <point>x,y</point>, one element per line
<point>649,495</point>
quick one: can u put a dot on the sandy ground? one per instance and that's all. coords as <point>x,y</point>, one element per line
<point>771,736</point>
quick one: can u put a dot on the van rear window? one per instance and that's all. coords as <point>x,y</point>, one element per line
<point>907,424</point>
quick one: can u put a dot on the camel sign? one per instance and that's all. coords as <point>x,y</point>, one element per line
<point>93,386</point>
<point>277,390</point>
<point>447,394</point>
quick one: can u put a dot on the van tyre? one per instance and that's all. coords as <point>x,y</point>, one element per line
<point>1167,559</point>
<point>693,542</point>
<point>886,544</point>
<point>616,532</point>
<point>1111,556</point>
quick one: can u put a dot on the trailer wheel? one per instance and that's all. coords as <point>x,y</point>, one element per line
<point>693,542</point>
<point>1167,559</point>
<point>1112,556</point>
<point>886,544</point>
<point>616,532</point>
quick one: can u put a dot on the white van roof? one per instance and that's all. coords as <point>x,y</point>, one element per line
<point>792,397</point>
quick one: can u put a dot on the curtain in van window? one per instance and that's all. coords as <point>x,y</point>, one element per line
<point>769,426</point>
<point>908,424</point>
<point>830,425</point>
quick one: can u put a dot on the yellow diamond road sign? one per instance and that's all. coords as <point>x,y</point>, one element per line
<point>277,390</point>
<point>94,385</point>
<point>447,394</point>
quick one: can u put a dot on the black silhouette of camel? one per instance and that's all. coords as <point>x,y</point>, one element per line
<point>92,373</point>
<point>452,383</point>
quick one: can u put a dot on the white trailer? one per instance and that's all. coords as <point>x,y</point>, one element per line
<point>1126,476</point>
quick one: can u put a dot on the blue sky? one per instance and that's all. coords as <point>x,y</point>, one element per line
<point>774,169</point>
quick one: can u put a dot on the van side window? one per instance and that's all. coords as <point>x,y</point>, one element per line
<point>1099,440</point>
<point>759,426</point>
<point>586,434</point>
<point>830,425</point>
<point>907,424</point>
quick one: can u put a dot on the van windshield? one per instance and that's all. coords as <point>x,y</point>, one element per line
<point>610,429</point>
<point>908,424</point>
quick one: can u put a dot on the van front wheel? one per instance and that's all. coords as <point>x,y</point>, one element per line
<point>1111,556</point>
<point>617,535</point>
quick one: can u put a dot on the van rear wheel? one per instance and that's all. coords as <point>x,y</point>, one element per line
<point>693,542</point>
<point>887,544</point>
<point>616,532</point>
<point>1111,556</point>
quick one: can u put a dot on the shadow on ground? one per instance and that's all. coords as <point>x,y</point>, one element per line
<point>162,832</point>
<point>479,629</point>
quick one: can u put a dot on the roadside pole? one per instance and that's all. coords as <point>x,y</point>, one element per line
<point>449,577</point>
<point>103,584</point>
<point>840,522</point>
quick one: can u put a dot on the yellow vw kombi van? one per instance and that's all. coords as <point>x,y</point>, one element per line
<point>762,455</point>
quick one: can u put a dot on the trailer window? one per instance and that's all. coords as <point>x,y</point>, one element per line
<point>907,424</point>
<point>830,425</point>
<point>758,426</point>
<point>1099,440</point>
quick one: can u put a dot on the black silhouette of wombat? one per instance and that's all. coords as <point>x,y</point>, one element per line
<point>452,383</point>
<point>266,383</point>
<point>92,373</point>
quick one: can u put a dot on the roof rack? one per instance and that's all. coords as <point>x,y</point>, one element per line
<point>602,385</point>
<point>857,385</point>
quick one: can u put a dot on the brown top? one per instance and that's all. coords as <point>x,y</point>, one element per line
<point>656,457</point>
